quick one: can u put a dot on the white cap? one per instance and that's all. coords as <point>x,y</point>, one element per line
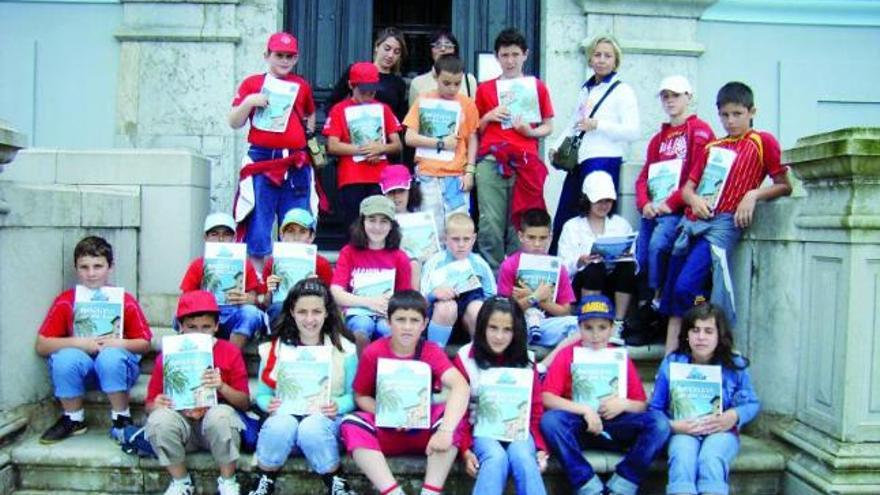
<point>598,185</point>
<point>219,219</point>
<point>676,84</point>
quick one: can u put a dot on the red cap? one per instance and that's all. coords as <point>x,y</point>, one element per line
<point>364,75</point>
<point>282,43</point>
<point>196,301</point>
<point>394,177</point>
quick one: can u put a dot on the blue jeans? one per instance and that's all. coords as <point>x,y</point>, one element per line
<point>443,196</point>
<point>271,201</point>
<point>701,464</point>
<point>569,197</point>
<point>553,330</point>
<point>656,236</point>
<point>372,326</point>
<point>315,436</point>
<point>244,319</point>
<point>644,434</point>
<point>496,461</point>
<point>73,371</point>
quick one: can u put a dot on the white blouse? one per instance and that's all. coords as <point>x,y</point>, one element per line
<point>577,238</point>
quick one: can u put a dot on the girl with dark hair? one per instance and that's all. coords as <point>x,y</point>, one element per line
<point>702,449</point>
<point>500,340</point>
<point>309,317</point>
<point>443,42</point>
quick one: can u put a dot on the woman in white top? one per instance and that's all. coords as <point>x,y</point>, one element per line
<point>443,42</point>
<point>590,274</point>
<point>607,128</point>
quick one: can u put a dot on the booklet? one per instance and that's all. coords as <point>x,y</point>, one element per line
<point>224,268</point>
<point>304,378</point>
<point>370,283</point>
<point>663,179</point>
<point>459,275</point>
<point>504,404</point>
<point>366,124</point>
<point>275,116</point>
<point>596,375</point>
<point>403,394</point>
<point>536,268</point>
<point>718,166</point>
<point>418,233</point>
<point>438,118</point>
<point>98,312</point>
<point>615,248</point>
<point>520,96</point>
<point>292,261</point>
<point>185,358</point>
<point>695,390</point>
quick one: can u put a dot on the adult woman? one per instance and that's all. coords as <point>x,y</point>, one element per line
<point>607,126</point>
<point>443,42</point>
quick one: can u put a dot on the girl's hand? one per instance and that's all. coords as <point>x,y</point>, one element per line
<point>717,423</point>
<point>541,458</point>
<point>257,100</point>
<point>330,409</point>
<point>274,405</point>
<point>685,427</point>
<point>611,407</point>
<point>588,124</point>
<point>521,127</point>
<point>648,211</point>
<point>211,378</point>
<point>163,400</point>
<point>586,259</point>
<point>498,114</point>
<point>594,422</point>
<point>272,282</point>
<point>471,464</point>
<point>440,441</point>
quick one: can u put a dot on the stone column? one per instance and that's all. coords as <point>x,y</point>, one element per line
<point>836,430</point>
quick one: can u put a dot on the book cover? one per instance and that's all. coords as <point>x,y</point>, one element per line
<point>504,404</point>
<point>536,268</point>
<point>615,248</point>
<point>718,166</point>
<point>98,312</point>
<point>281,95</point>
<point>596,375</point>
<point>438,118</point>
<point>520,96</point>
<point>304,378</point>
<point>366,124</point>
<point>695,390</point>
<point>663,179</point>
<point>184,360</point>
<point>459,275</point>
<point>418,234</point>
<point>292,261</point>
<point>224,268</point>
<point>370,283</point>
<point>403,394</point>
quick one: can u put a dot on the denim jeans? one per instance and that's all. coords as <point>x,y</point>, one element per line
<point>553,330</point>
<point>372,326</point>
<point>654,246</point>
<point>73,371</point>
<point>244,319</point>
<point>271,201</point>
<point>496,461</point>
<point>315,436</point>
<point>443,196</point>
<point>701,464</point>
<point>643,434</point>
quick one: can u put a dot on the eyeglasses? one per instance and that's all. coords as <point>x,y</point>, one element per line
<point>443,46</point>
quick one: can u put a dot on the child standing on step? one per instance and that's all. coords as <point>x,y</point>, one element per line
<point>75,363</point>
<point>702,449</point>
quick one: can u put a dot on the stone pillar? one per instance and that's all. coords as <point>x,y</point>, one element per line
<point>836,430</point>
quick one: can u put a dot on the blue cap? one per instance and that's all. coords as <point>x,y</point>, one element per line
<point>595,306</point>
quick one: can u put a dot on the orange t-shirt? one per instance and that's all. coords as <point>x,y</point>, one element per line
<point>468,123</point>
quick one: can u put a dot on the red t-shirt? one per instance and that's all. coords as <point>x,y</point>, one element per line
<point>349,171</point>
<point>352,259</point>
<point>59,318</point>
<point>227,358</point>
<point>365,378</point>
<point>294,135</point>
<point>507,277</point>
<point>487,100</point>
<point>192,279</point>
<point>558,379</point>
<point>322,269</point>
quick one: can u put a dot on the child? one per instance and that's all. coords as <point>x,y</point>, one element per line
<point>710,232</point>
<point>569,427</point>
<point>374,247</point>
<point>276,172</point>
<point>500,340</point>
<point>503,152</point>
<point>298,225</point>
<point>240,319</point>
<point>171,433</point>
<point>309,318</point>
<point>76,363</point>
<point>446,306</point>
<point>682,141</point>
<point>592,275</point>
<point>368,444</point>
<point>358,180</point>
<point>445,185</point>
<point>397,185</point>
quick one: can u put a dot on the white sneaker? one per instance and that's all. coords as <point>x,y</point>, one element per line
<point>227,486</point>
<point>617,333</point>
<point>180,487</point>
<point>340,487</point>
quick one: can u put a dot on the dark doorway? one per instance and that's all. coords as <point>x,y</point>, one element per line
<point>417,20</point>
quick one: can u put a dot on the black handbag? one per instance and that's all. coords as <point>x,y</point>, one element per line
<point>566,157</point>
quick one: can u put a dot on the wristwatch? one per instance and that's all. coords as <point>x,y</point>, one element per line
<point>533,301</point>
<point>440,145</point>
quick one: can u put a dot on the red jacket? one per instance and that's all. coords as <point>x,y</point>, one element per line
<point>531,173</point>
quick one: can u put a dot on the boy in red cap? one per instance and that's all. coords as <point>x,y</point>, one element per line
<point>361,131</point>
<point>276,173</point>
<point>172,433</point>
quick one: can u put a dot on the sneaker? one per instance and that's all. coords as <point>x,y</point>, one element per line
<point>264,486</point>
<point>340,487</point>
<point>180,487</point>
<point>617,333</point>
<point>227,486</point>
<point>63,428</point>
<point>117,431</point>
<point>533,318</point>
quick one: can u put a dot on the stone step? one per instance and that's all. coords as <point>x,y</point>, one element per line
<point>91,463</point>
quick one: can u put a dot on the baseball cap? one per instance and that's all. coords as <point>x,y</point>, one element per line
<point>219,219</point>
<point>282,43</point>
<point>364,75</point>
<point>676,84</point>
<point>595,306</point>
<point>377,205</point>
<point>599,185</point>
<point>196,301</point>
<point>298,216</point>
<point>394,177</point>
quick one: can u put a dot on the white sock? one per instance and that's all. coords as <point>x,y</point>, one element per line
<point>124,412</point>
<point>183,481</point>
<point>78,415</point>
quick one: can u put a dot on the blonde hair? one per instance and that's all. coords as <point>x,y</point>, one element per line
<point>459,219</point>
<point>606,38</point>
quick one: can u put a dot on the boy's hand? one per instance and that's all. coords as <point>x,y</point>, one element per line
<point>444,294</point>
<point>379,304</point>
<point>163,400</point>
<point>521,127</point>
<point>746,210</point>
<point>211,378</point>
<point>648,211</point>
<point>471,464</point>
<point>594,422</point>
<point>664,209</point>
<point>272,282</point>
<point>520,292</point>
<point>611,408</point>
<point>197,413</point>
<point>543,292</point>
<point>372,151</point>
<point>274,404</point>
<point>235,296</point>
<point>330,409</point>
<point>440,442</point>
<point>700,207</point>
<point>256,100</point>
<point>498,114</point>
<point>467,182</point>
<point>541,458</point>
<point>450,142</point>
